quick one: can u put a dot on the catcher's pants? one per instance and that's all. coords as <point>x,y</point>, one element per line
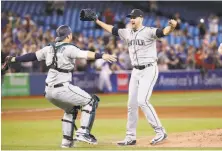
<point>140,90</point>
<point>67,96</point>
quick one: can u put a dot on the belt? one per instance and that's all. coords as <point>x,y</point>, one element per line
<point>143,66</point>
<point>62,70</point>
<point>56,85</point>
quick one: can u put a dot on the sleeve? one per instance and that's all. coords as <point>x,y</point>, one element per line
<point>115,31</point>
<point>152,32</point>
<point>74,53</point>
<point>41,54</point>
<point>122,33</point>
<point>159,33</point>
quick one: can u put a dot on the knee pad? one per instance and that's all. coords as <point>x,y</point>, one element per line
<point>89,112</point>
<point>96,99</point>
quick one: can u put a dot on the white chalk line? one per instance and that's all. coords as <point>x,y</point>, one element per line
<point>28,110</point>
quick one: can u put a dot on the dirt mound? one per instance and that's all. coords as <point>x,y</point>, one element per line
<point>207,138</point>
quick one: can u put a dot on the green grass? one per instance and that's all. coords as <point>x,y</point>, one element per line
<point>47,134</point>
<point>158,99</point>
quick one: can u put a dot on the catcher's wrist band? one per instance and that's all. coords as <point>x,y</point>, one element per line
<point>98,56</point>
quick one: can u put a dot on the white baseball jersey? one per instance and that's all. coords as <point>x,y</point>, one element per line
<point>66,55</point>
<point>141,44</point>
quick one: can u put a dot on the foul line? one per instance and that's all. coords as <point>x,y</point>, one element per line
<point>29,110</point>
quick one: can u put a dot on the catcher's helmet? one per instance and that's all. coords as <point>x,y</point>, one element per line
<point>62,32</point>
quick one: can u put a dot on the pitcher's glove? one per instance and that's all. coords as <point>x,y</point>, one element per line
<point>8,61</point>
<point>88,15</point>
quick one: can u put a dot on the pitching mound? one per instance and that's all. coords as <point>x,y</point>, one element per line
<point>207,138</point>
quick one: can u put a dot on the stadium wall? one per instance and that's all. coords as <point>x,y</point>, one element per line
<point>24,84</point>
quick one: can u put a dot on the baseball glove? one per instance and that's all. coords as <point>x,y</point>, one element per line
<point>6,64</point>
<point>88,15</point>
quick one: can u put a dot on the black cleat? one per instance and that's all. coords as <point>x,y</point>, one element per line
<point>88,138</point>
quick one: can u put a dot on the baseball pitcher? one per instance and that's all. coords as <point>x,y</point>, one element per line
<point>60,57</point>
<point>141,43</point>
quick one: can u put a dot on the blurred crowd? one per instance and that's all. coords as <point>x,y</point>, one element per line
<point>23,35</point>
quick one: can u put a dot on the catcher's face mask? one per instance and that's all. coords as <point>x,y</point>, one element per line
<point>62,32</point>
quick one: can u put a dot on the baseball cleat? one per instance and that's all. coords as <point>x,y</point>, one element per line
<point>67,144</point>
<point>158,138</point>
<point>126,141</point>
<point>88,138</point>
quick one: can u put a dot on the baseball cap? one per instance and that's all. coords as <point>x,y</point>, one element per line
<point>62,32</point>
<point>136,13</point>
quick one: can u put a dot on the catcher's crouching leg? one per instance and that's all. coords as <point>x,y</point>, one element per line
<point>87,120</point>
<point>68,126</point>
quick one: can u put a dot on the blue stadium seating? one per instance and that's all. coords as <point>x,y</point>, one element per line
<point>71,18</point>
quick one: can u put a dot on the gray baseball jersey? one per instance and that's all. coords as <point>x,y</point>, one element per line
<point>141,44</point>
<point>66,60</point>
<point>142,50</point>
<point>60,92</point>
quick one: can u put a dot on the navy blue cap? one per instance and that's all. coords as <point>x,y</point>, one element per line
<point>136,13</point>
<point>62,32</point>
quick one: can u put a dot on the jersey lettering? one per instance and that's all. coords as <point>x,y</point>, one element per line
<point>138,42</point>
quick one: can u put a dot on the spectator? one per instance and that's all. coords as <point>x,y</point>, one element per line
<point>16,37</point>
<point>123,58</point>
<point>163,61</point>
<point>177,29</point>
<point>49,8</point>
<point>48,36</point>
<point>109,16</point>
<point>27,22</point>
<point>181,55</point>
<point>218,61</point>
<point>173,60</point>
<point>162,55</point>
<point>200,56</point>
<point>190,61</point>
<point>213,24</point>
<point>4,20</point>
<point>157,23</point>
<point>59,7</point>
<point>26,66</point>
<point>202,28</point>
<point>99,44</point>
<point>153,6</point>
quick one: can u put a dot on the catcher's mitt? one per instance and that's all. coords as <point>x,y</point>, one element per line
<point>6,64</point>
<point>88,15</point>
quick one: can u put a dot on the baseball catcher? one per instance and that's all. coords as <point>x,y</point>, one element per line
<point>60,57</point>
